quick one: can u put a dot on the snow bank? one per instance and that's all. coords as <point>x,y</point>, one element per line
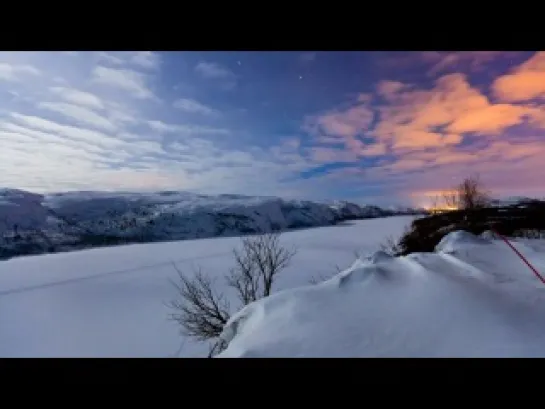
<point>471,298</point>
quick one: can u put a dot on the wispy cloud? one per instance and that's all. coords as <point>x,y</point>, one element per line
<point>110,58</point>
<point>218,73</point>
<point>96,131</point>
<point>67,131</point>
<point>15,72</point>
<point>147,59</point>
<point>78,97</point>
<point>193,107</point>
<point>307,57</point>
<point>185,130</point>
<point>434,63</point>
<point>213,70</point>
<point>143,59</point>
<point>79,114</point>
<point>454,60</point>
<point>131,81</point>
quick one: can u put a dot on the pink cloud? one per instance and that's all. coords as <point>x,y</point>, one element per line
<point>437,62</point>
<point>429,138</point>
<point>476,60</point>
<point>411,118</point>
<point>342,127</point>
<point>505,168</point>
<point>375,149</point>
<point>365,98</point>
<point>388,89</point>
<point>490,119</point>
<point>524,83</point>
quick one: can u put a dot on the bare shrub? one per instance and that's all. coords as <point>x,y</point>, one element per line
<point>257,264</point>
<point>391,246</point>
<point>202,311</point>
<point>317,279</point>
<point>320,278</point>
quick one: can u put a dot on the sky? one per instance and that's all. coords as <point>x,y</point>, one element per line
<point>371,127</point>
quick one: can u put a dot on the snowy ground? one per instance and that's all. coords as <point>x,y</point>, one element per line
<point>471,298</point>
<point>109,302</point>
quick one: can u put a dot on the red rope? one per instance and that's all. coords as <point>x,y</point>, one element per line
<point>521,256</point>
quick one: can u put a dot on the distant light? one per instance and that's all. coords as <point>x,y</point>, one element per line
<point>300,77</point>
<point>441,209</point>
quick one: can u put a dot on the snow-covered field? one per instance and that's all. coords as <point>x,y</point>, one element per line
<point>473,297</point>
<point>109,302</point>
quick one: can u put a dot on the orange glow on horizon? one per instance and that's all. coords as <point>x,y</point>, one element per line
<point>433,200</point>
<point>442,209</point>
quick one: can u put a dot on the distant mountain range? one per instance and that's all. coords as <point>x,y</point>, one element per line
<point>32,223</point>
<point>513,200</point>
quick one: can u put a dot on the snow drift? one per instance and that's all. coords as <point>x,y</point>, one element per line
<point>473,297</point>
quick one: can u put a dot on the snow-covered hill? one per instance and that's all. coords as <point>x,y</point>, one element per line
<point>515,200</point>
<point>32,223</point>
<point>347,210</point>
<point>473,297</point>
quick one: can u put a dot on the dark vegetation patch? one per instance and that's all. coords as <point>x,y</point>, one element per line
<point>525,219</point>
<point>475,213</point>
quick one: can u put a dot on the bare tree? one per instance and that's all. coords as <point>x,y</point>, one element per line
<point>452,199</point>
<point>202,311</point>
<point>473,194</point>
<point>469,194</point>
<point>434,203</point>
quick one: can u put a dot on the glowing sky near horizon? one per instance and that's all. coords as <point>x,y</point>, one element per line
<point>373,127</point>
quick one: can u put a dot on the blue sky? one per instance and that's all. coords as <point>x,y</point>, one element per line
<point>376,127</point>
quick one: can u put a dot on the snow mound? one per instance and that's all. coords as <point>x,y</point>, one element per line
<point>458,240</point>
<point>489,235</point>
<point>479,302</point>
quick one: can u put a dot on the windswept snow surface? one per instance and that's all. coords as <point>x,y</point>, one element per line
<point>473,297</point>
<point>110,302</point>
